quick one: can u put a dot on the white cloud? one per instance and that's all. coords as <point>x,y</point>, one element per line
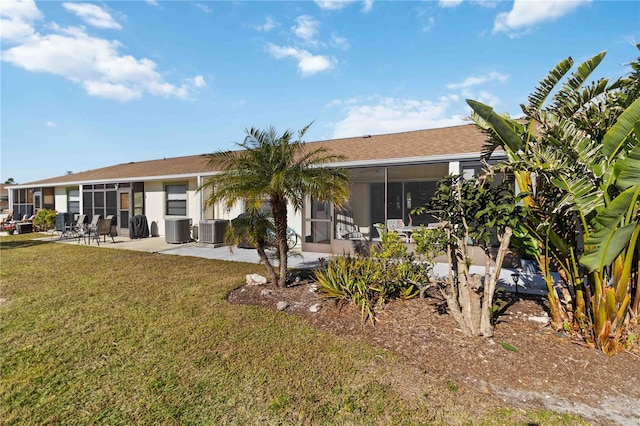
<point>16,19</point>
<point>486,98</point>
<point>449,3</point>
<point>467,89</point>
<point>367,5</point>
<point>203,7</point>
<point>117,92</point>
<point>51,124</point>
<point>269,24</point>
<point>308,64</point>
<point>339,42</point>
<point>526,14</point>
<point>197,81</point>
<point>306,28</point>
<point>333,4</point>
<point>476,80</point>
<point>152,2</point>
<point>95,64</point>
<point>93,15</point>
<point>428,25</point>
<point>389,115</point>
<point>489,4</point>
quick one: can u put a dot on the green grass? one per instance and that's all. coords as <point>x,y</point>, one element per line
<point>101,336</point>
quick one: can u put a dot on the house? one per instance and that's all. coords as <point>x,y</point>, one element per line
<point>389,175</point>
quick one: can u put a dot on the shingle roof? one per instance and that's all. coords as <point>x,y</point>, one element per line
<point>448,141</point>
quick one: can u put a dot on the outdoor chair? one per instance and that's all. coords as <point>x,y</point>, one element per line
<point>346,229</point>
<point>88,230</point>
<point>379,227</point>
<point>77,226</point>
<point>104,228</point>
<point>9,217</point>
<point>365,231</point>
<point>393,225</point>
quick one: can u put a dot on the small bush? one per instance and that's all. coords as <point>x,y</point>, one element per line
<point>390,273</point>
<point>429,243</point>
<point>45,219</point>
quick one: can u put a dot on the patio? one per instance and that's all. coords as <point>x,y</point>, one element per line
<point>526,283</point>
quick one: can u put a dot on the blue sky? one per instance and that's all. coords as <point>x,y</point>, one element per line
<point>87,85</point>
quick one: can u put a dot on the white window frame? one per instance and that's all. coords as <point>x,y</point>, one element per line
<point>175,195</point>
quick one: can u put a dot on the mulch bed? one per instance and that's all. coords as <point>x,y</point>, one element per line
<point>525,364</point>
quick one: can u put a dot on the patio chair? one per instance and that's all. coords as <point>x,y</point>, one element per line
<point>87,231</point>
<point>104,228</point>
<point>346,229</point>
<point>393,225</point>
<point>379,227</point>
<point>9,218</point>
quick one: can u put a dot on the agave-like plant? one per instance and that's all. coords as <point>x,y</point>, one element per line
<point>577,157</point>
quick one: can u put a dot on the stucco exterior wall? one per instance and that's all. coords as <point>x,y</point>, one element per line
<point>154,205</point>
<point>60,199</point>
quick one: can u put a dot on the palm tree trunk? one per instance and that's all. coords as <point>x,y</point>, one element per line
<point>279,211</point>
<point>267,263</point>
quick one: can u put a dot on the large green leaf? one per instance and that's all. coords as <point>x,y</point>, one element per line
<point>580,194</point>
<point>538,97</point>
<point>568,95</point>
<point>616,136</point>
<point>609,238</point>
<point>503,128</point>
<point>627,170</point>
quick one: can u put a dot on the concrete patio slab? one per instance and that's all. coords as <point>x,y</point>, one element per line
<point>511,279</point>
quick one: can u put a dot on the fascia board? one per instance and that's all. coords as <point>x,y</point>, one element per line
<point>426,160</point>
<point>113,180</point>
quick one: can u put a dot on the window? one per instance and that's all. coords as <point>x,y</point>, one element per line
<point>23,204</point>
<point>176,200</point>
<point>73,201</point>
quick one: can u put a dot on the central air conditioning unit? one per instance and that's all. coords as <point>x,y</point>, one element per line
<point>177,231</point>
<point>211,231</point>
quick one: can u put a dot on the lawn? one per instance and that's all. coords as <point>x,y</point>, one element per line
<point>101,336</point>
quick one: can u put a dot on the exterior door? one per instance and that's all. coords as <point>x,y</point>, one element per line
<point>124,211</point>
<point>317,227</point>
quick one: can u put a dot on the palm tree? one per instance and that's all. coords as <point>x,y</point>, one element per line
<point>280,170</point>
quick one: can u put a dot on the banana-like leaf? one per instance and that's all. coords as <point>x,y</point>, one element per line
<point>579,194</point>
<point>622,311</point>
<point>538,97</point>
<point>558,242</point>
<point>616,136</point>
<point>566,96</point>
<point>610,238</point>
<point>503,128</point>
<point>627,170</point>
<point>610,302</point>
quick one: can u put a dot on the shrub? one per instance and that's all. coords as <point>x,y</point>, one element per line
<point>45,219</point>
<point>390,273</point>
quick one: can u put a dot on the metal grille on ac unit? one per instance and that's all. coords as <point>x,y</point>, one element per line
<point>177,231</point>
<point>212,231</point>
